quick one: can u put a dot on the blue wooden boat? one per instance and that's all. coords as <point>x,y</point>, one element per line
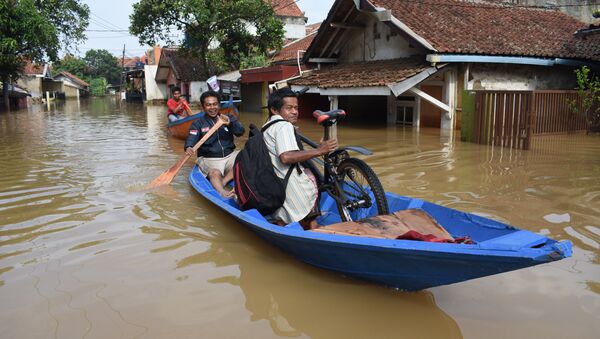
<point>404,264</point>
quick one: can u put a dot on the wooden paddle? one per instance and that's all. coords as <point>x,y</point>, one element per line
<point>167,176</point>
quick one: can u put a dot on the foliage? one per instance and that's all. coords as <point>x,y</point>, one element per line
<point>100,63</point>
<point>596,13</point>
<point>37,30</point>
<point>255,59</point>
<point>588,90</point>
<point>71,64</point>
<point>235,29</point>
<point>98,87</point>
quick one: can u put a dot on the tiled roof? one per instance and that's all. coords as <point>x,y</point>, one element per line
<point>186,67</point>
<point>286,8</point>
<point>290,51</point>
<point>312,27</point>
<point>364,74</point>
<point>453,26</point>
<point>75,79</point>
<point>129,62</point>
<point>33,69</point>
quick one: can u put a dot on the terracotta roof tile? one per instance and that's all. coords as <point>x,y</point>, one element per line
<point>286,8</point>
<point>290,51</point>
<point>453,26</point>
<point>75,79</point>
<point>33,69</point>
<point>364,74</point>
<point>313,28</point>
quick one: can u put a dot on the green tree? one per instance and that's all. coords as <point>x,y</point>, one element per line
<point>71,64</point>
<point>37,30</point>
<point>98,87</point>
<point>231,30</point>
<point>100,63</point>
<point>588,90</point>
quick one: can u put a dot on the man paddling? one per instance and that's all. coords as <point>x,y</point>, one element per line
<point>217,155</point>
<point>178,106</point>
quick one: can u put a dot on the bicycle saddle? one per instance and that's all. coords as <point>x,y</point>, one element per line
<point>329,115</point>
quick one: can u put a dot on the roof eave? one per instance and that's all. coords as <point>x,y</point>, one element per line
<point>496,59</point>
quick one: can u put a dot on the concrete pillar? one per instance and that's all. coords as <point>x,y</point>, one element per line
<point>333,104</point>
<point>391,109</point>
<point>449,94</point>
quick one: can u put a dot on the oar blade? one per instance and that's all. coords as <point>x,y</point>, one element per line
<point>164,179</point>
<point>167,176</point>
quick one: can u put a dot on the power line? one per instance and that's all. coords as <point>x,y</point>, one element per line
<point>107,22</point>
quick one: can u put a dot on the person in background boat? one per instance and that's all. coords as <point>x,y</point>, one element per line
<point>301,191</point>
<point>217,155</point>
<point>178,106</point>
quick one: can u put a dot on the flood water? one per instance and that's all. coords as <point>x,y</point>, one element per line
<point>87,252</point>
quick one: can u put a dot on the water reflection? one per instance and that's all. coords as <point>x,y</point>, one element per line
<point>296,299</point>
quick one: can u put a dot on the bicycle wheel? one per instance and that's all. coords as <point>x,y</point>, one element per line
<point>361,191</point>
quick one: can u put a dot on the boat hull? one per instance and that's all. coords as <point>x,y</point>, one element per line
<point>404,264</point>
<point>181,128</point>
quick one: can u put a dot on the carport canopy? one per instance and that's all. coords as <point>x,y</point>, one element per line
<point>382,77</point>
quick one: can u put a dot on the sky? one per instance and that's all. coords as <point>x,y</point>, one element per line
<point>114,15</point>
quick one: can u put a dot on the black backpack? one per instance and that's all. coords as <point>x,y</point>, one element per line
<point>256,184</point>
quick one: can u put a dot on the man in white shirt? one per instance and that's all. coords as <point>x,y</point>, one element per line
<point>280,139</point>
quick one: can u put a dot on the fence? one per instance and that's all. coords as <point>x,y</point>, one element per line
<point>510,118</point>
<point>551,112</point>
<point>503,118</point>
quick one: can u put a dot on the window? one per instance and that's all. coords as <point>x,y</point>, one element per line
<point>405,108</point>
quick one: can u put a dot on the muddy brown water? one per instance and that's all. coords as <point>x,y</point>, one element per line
<point>87,252</point>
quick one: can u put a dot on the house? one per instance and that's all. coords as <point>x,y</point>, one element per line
<point>285,64</point>
<point>36,80</point>
<point>407,62</point>
<point>292,17</point>
<point>71,85</point>
<point>17,97</point>
<point>130,64</point>
<point>178,69</point>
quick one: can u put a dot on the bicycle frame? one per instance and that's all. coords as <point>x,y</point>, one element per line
<point>328,179</point>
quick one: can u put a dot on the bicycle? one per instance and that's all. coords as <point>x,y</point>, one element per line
<point>349,181</point>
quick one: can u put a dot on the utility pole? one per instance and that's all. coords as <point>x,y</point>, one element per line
<point>122,66</point>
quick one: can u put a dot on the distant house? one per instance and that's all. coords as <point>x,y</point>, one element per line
<point>177,69</point>
<point>292,17</point>
<point>72,86</point>
<point>408,62</point>
<point>130,64</point>
<point>17,97</point>
<point>285,64</point>
<point>36,79</point>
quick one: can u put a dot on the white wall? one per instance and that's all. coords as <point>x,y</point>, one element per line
<point>154,90</point>
<point>375,41</point>
<point>294,27</point>
<point>32,84</point>
<point>196,90</point>
<point>519,77</point>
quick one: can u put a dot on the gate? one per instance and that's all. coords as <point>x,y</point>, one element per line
<point>510,118</point>
<point>503,118</point>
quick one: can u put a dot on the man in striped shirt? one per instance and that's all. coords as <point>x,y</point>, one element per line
<point>280,139</point>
